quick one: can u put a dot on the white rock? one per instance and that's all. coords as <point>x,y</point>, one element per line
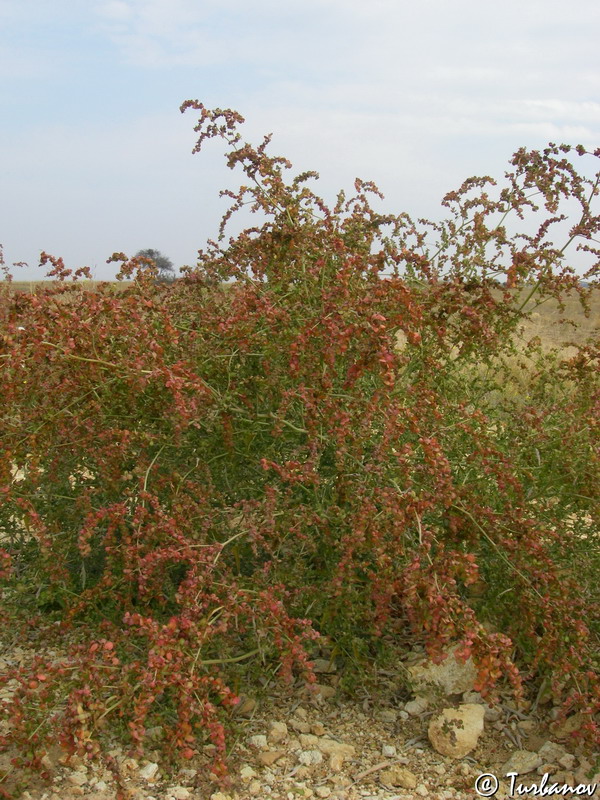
<point>330,747</point>
<point>178,792</point>
<point>310,757</point>
<point>336,762</point>
<point>455,731</point>
<point>148,772</point>
<point>300,725</point>
<point>247,773</point>
<point>451,676</point>
<point>388,751</point>
<point>567,761</point>
<point>416,706</point>
<point>322,791</point>
<point>521,762</point>
<point>308,740</point>
<point>398,776</point>
<point>78,778</point>
<point>258,742</point>
<point>278,732</point>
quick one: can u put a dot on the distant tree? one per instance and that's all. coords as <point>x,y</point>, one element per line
<point>163,264</point>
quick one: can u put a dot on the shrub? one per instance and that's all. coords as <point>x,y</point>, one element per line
<point>307,436</point>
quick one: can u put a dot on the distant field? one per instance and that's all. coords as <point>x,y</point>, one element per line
<point>545,319</point>
<point>548,321</point>
<point>34,286</point>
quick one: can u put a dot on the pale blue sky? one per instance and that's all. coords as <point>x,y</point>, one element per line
<point>416,96</point>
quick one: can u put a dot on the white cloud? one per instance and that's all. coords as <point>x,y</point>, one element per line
<point>115,10</point>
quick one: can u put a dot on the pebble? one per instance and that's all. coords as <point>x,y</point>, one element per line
<point>278,732</point>
<point>416,706</point>
<point>269,757</point>
<point>300,726</point>
<point>148,772</point>
<point>258,742</point>
<point>310,757</point>
<point>247,773</point>
<point>178,792</point>
<point>78,778</point>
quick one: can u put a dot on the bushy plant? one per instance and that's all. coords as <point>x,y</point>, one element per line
<point>306,436</point>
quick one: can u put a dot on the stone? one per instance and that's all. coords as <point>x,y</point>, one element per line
<point>247,773</point>
<point>526,726</point>
<point>562,730</point>
<point>323,791</point>
<point>491,714</point>
<point>451,676</point>
<point>521,762</point>
<point>387,715</point>
<point>317,728</point>
<point>78,778</point>
<point>336,762</point>
<point>245,707</point>
<point>323,666</point>
<point>300,726</point>
<point>129,766</point>
<point>310,757</point>
<point>220,796</point>
<point>547,767</point>
<point>178,792</point>
<point>278,732</point>
<point>388,751</point>
<point>308,740</point>
<point>258,742</point>
<point>47,762</point>
<point>398,776</point>
<point>567,761</point>
<point>149,770</point>
<point>323,691</point>
<point>330,747</point>
<point>255,788</point>
<point>472,697</point>
<point>268,757</point>
<point>417,706</point>
<point>455,731</point>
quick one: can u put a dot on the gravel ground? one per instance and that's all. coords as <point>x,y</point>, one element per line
<point>294,744</point>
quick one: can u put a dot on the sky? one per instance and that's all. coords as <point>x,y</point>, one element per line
<point>416,96</point>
